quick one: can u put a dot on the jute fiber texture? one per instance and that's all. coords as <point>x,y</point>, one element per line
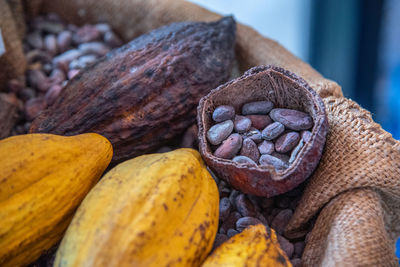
<point>355,191</point>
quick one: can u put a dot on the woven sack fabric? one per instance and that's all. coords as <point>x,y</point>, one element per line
<point>355,191</point>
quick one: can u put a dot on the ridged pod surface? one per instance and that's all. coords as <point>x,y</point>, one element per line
<point>146,92</point>
<point>153,210</point>
<point>43,179</point>
<point>252,247</point>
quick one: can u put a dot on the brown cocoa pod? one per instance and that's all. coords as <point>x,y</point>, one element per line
<point>284,90</point>
<point>145,93</point>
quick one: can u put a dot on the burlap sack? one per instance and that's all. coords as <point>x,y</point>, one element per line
<point>355,192</point>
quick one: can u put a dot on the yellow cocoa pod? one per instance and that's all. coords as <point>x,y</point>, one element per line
<point>252,247</point>
<point>153,210</point>
<point>43,179</point>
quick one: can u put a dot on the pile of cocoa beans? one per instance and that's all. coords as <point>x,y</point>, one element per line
<point>261,135</point>
<point>57,51</point>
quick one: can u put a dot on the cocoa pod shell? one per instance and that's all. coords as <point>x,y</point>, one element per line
<point>284,89</point>
<point>146,92</point>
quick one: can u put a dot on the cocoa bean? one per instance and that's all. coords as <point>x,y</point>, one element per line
<point>27,93</point>
<point>257,108</point>
<point>64,40</point>
<point>244,206</point>
<point>296,151</point>
<point>266,147</point>
<point>34,107</point>
<point>224,208</point>
<point>298,249</point>
<point>52,94</point>
<point>82,62</point>
<point>219,239</point>
<point>273,161</point>
<point>112,39</point>
<point>281,220</point>
<point>15,86</point>
<point>189,139</point>
<point>50,27</point>
<point>57,76</point>
<point>85,34</point>
<point>219,132</point>
<point>103,27</point>
<point>292,119</point>
<point>245,222</point>
<point>231,232</point>
<point>232,197</point>
<point>259,121</point>
<point>296,262</point>
<point>254,135</point>
<point>67,57</point>
<point>50,44</point>
<point>272,131</point>
<point>96,48</point>
<point>35,40</point>
<point>250,150</point>
<point>230,147</point>
<point>282,201</point>
<point>223,113</point>
<point>286,142</point>
<point>37,79</point>
<point>286,246</point>
<point>242,124</point>
<point>243,160</point>
<point>285,158</point>
<point>230,222</point>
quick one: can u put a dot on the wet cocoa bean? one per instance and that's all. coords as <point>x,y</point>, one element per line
<point>223,113</point>
<point>292,119</point>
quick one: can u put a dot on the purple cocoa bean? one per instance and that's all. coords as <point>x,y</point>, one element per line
<point>64,40</point>
<point>266,147</point>
<point>296,151</point>
<point>50,44</point>
<point>67,57</point>
<point>292,119</point>
<point>257,108</point>
<point>37,79</point>
<point>254,135</point>
<point>273,161</point>
<point>298,248</point>
<point>231,232</point>
<point>286,246</point>
<point>281,220</point>
<point>232,197</point>
<point>96,48</point>
<point>219,132</point>
<point>224,208</point>
<point>259,121</point>
<point>85,34</point>
<point>272,131</point>
<point>111,39</point>
<point>242,124</point>
<point>306,136</point>
<point>82,62</point>
<point>230,147</point>
<point>285,158</point>
<point>250,150</point>
<point>243,160</point>
<point>72,73</point>
<point>57,76</point>
<point>103,27</point>
<point>287,142</point>
<point>52,94</point>
<point>245,222</point>
<point>33,107</point>
<point>223,113</point>
<point>244,206</point>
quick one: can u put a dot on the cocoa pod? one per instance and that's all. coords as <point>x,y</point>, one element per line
<point>146,92</point>
<point>284,90</point>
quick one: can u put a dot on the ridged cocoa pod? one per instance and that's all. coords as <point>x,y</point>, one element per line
<point>285,90</point>
<point>146,92</point>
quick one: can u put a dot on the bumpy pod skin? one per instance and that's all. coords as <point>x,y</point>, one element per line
<point>254,247</point>
<point>285,90</point>
<point>153,210</point>
<point>43,179</point>
<point>146,92</point>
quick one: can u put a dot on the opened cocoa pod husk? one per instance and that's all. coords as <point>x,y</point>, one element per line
<point>285,90</point>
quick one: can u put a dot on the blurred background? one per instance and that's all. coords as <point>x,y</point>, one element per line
<point>354,42</point>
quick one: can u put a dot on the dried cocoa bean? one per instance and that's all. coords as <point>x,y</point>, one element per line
<point>286,142</point>
<point>140,96</point>
<point>244,222</point>
<point>230,147</point>
<point>243,160</point>
<point>296,151</point>
<point>254,135</point>
<point>219,132</point>
<point>292,119</point>
<point>64,40</point>
<point>272,131</point>
<point>259,121</point>
<point>219,239</point>
<point>281,220</point>
<point>230,222</point>
<point>85,34</point>
<point>250,150</point>
<point>257,108</point>
<point>224,208</point>
<point>231,232</point>
<point>223,113</point>
<point>266,147</point>
<point>242,124</point>
<point>273,161</point>
<point>50,44</point>
<point>286,246</point>
<point>244,206</point>
<point>96,48</point>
